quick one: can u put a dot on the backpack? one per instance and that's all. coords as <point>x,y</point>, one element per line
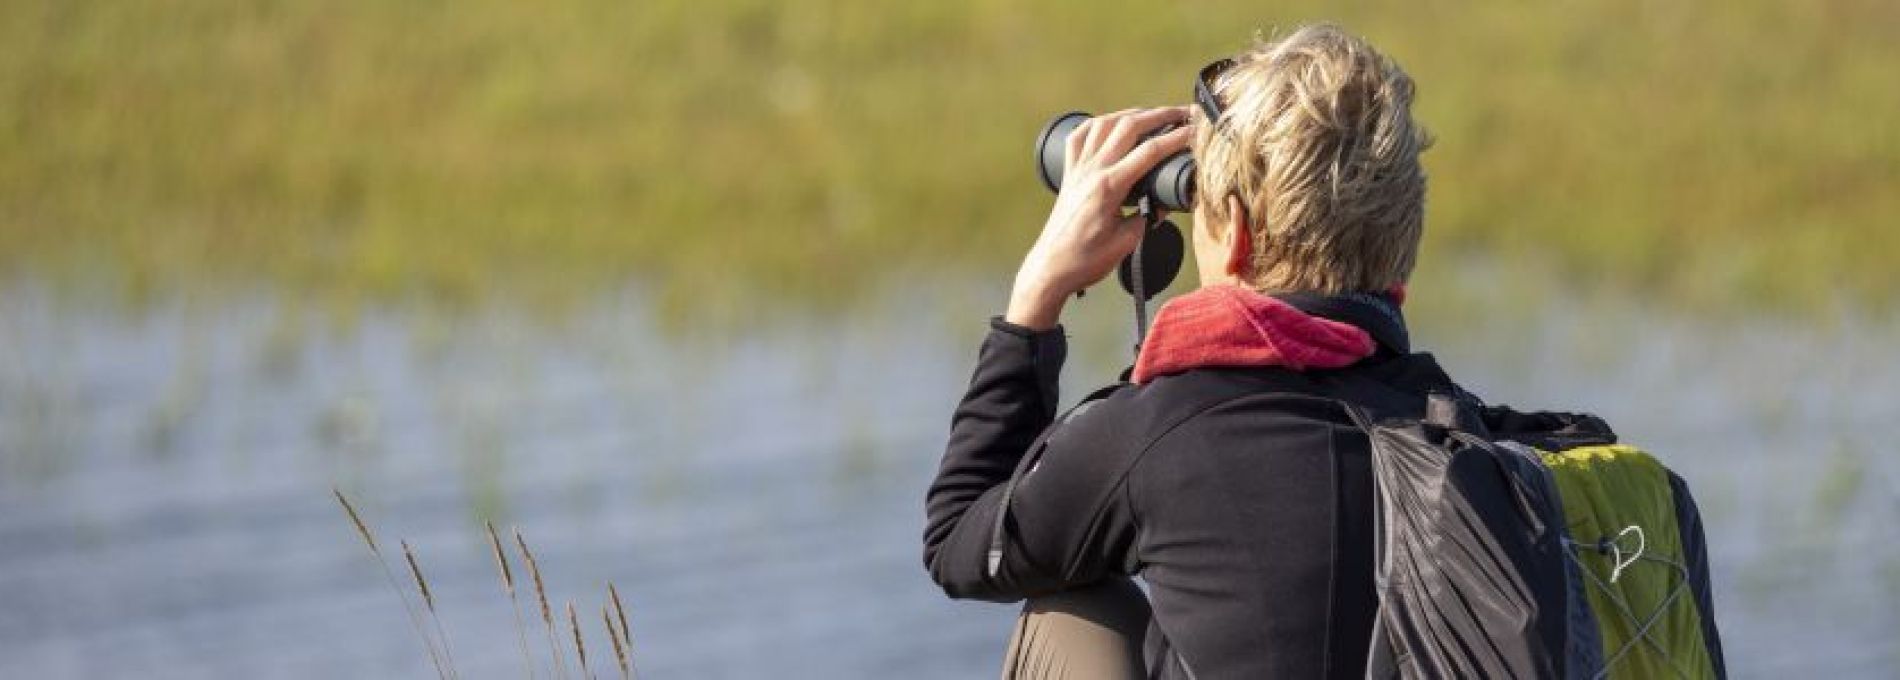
<point>1532,545</point>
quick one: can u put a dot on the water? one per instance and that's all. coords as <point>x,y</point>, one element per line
<point>756,491</point>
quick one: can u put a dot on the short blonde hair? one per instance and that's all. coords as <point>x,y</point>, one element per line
<point>1316,138</point>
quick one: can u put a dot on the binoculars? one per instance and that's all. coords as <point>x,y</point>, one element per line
<point>1169,185</point>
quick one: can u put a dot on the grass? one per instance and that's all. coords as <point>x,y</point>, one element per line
<point>356,151</point>
<point>437,645</point>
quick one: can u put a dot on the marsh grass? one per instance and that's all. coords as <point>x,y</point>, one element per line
<point>514,602</point>
<point>547,612</point>
<point>613,636</point>
<point>580,645</point>
<point>437,645</point>
<point>624,637</point>
<point>428,602</point>
<point>409,608</point>
<point>360,151</point>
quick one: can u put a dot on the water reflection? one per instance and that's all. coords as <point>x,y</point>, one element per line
<point>164,509</point>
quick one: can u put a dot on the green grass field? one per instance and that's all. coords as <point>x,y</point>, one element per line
<point>358,151</point>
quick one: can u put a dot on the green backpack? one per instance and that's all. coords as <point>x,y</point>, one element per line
<point>1532,545</point>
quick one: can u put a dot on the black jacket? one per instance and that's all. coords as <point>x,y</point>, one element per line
<point>1242,497</point>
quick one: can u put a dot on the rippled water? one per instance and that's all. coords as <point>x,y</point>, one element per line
<point>756,492</point>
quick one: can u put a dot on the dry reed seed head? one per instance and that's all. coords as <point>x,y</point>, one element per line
<point>534,571</point>
<point>620,650</point>
<point>362,529</point>
<point>613,595</point>
<point>501,558</point>
<point>415,570</point>
<point>574,624</point>
<point>443,670</point>
<point>1317,140</point>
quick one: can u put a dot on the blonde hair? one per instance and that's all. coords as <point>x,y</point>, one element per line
<point>1317,140</point>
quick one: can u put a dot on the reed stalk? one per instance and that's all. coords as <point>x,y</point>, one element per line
<point>514,602</point>
<point>389,575</point>
<point>620,651</point>
<point>428,600</point>
<point>626,633</point>
<point>580,648</point>
<point>547,613</point>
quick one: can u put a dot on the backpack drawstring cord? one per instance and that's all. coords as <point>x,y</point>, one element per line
<point>1613,546</point>
<point>1621,560</point>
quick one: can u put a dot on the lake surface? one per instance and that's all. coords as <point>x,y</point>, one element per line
<point>756,491</point>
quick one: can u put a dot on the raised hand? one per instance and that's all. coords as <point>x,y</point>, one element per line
<point>1087,234</point>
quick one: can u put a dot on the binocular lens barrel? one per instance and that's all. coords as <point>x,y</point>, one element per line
<point>1168,186</point>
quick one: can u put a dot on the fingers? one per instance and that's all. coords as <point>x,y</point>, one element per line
<point>1072,149</point>
<point>1104,125</point>
<point>1129,128</point>
<point>1138,162</point>
<point>1085,141</point>
<point>1089,139</point>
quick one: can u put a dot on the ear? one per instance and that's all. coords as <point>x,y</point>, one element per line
<point>1240,241</point>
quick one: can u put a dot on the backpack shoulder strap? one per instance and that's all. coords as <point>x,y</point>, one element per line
<point>1443,410</point>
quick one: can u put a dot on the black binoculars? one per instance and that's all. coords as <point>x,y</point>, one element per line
<point>1169,185</point>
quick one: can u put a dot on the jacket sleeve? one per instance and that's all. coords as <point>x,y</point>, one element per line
<point>1062,523</point>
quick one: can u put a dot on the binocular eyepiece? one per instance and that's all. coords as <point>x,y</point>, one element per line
<point>1168,186</point>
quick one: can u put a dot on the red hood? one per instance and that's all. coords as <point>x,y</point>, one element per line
<point>1227,325</point>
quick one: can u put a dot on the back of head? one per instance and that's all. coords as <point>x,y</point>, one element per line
<point>1316,139</point>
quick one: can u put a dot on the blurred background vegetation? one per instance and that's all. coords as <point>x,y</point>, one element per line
<point>349,152</point>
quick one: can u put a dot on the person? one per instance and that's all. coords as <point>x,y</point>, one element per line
<point>1223,471</point>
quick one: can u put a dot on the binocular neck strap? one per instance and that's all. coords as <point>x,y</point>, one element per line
<point>1149,220</point>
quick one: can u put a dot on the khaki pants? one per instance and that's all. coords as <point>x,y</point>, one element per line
<point>1092,633</point>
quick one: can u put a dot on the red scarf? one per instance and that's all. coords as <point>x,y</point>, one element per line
<point>1228,325</point>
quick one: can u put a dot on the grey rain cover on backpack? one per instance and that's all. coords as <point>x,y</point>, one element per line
<point>1471,578</point>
